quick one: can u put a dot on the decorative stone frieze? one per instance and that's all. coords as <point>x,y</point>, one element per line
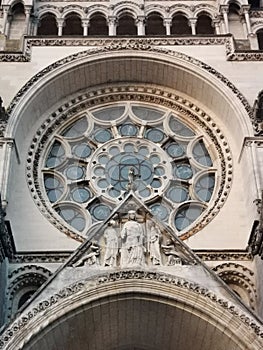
<point>33,316</point>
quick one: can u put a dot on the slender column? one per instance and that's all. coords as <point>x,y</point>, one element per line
<point>36,23</point>
<point>5,18</point>
<point>224,11</point>
<point>85,25</point>
<point>245,10</point>
<point>27,21</point>
<point>216,23</point>
<point>243,21</point>
<point>140,22</point>
<point>60,24</point>
<point>167,22</point>
<point>112,22</point>
<point>192,22</point>
<point>7,27</point>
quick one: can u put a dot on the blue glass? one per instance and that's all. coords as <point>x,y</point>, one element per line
<point>74,172</point>
<point>204,187</point>
<point>73,217</point>
<point>156,183</point>
<point>183,171</point>
<point>201,154</point>
<point>128,130</point>
<point>80,194</point>
<point>101,212</point>
<point>54,188</point>
<point>147,113</point>
<point>178,194</point>
<point>155,135</point>
<point>175,150</point>
<point>76,129</point>
<point>56,155</point>
<point>187,215</point>
<point>102,135</point>
<point>160,211</point>
<point>180,128</point>
<point>110,113</point>
<point>82,150</point>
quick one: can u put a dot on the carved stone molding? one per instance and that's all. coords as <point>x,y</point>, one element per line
<point>224,255</point>
<point>152,95</point>
<point>138,45</point>
<point>34,316</point>
<point>240,279</point>
<point>226,40</point>
<point>54,257</point>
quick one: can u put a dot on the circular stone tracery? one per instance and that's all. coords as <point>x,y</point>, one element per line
<point>196,181</point>
<point>110,172</point>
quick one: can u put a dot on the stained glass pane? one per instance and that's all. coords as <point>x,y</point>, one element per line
<point>74,172</point>
<point>178,194</point>
<point>56,155</point>
<point>204,187</point>
<point>183,171</point>
<point>180,128</point>
<point>147,113</point>
<point>201,154</point>
<point>54,188</point>
<point>101,212</point>
<point>102,135</point>
<point>76,129</point>
<point>128,130</point>
<point>82,150</point>
<point>175,150</point>
<point>155,135</point>
<point>73,217</point>
<point>187,215</point>
<point>80,194</point>
<point>110,113</point>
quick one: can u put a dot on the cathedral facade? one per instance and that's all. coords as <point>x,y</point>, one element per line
<point>131,180</point>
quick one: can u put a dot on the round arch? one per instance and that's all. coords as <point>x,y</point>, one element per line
<point>133,309</point>
<point>98,67</point>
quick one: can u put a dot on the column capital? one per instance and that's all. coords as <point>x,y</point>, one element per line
<point>60,22</point>
<point>192,21</point>
<point>140,19</point>
<point>112,20</point>
<point>224,8</point>
<point>85,22</point>
<point>6,8</point>
<point>245,8</point>
<point>28,9</point>
<point>167,21</point>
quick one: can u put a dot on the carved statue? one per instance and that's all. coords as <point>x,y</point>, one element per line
<point>175,257</point>
<point>131,179</point>
<point>91,258</point>
<point>132,250</point>
<point>111,252</point>
<point>154,236</point>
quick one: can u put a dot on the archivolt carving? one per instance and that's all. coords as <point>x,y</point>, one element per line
<point>48,306</point>
<point>127,44</point>
<point>237,275</point>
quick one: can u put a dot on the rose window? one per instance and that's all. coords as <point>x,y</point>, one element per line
<point>102,154</point>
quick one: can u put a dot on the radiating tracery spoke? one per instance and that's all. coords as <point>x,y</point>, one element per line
<point>94,155</point>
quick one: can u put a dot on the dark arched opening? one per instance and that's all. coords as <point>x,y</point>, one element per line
<point>180,25</point>
<point>98,25</point>
<point>260,39</point>
<point>204,25</point>
<point>126,25</point>
<point>154,25</point>
<point>73,25</point>
<point>17,22</point>
<point>254,4</point>
<point>48,25</point>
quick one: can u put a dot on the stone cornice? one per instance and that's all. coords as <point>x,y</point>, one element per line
<point>225,40</point>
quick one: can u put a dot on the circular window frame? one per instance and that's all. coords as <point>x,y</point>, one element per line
<point>191,115</point>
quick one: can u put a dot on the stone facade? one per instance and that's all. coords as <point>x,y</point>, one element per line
<point>131,174</point>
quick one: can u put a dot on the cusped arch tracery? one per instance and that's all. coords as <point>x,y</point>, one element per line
<point>86,167</point>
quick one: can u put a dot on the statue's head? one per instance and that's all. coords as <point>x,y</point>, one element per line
<point>132,214</point>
